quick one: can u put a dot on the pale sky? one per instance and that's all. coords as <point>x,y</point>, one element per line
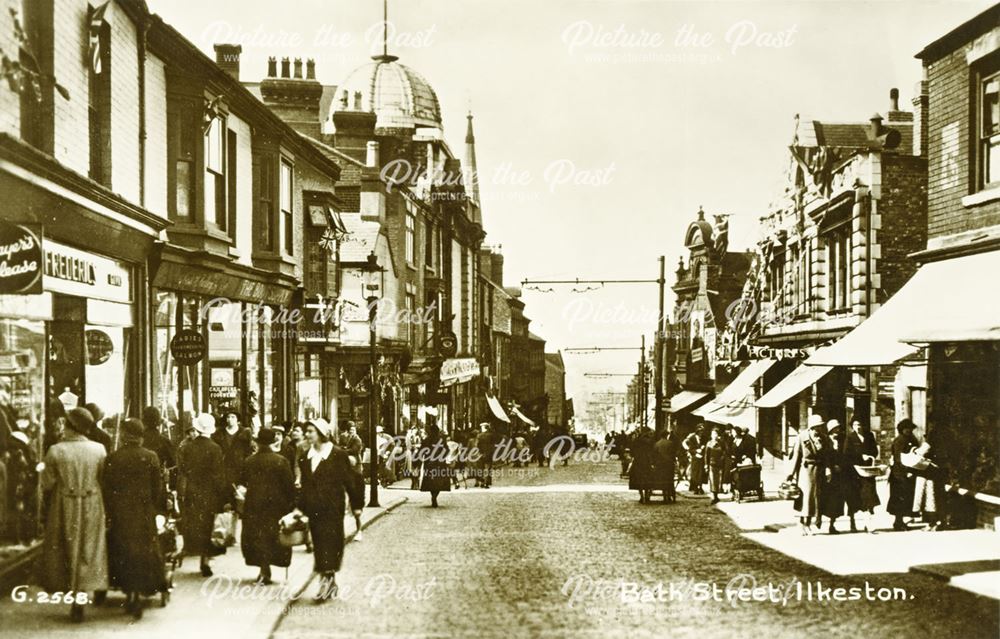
<point>659,106</point>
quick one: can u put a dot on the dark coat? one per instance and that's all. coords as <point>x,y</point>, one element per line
<point>203,493</point>
<point>901,478</point>
<point>665,462</point>
<point>859,492</point>
<point>322,500</point>
<point>716,464</point>
<point>433,454</point>
<point>96,434</point>
<point>747,447</point>
<point>642,474</point>
<point>694,444</point>
<point>235,449</point>
<point>270,496</point>
<point>133,496</point>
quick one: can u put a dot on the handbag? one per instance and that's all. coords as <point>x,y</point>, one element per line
<point>293,529</point>
<point>790,490</point>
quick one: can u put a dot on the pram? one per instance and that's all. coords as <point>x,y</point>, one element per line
<point>169,547</point>
<point>746,481</point>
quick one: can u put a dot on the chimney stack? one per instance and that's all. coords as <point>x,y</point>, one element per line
<point>227,56</point>
<point>285,68</point>
<point>296,100</point>
<point>921,100</point>
<point>497,268</point>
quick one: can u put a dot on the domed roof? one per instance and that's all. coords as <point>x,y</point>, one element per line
<point>399,96</point>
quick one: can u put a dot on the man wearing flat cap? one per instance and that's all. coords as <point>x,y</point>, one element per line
<point>75,552</point>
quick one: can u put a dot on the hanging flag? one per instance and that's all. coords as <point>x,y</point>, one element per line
<point>96,23</point>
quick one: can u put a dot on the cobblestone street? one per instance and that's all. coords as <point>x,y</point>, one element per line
<point>555,552</point>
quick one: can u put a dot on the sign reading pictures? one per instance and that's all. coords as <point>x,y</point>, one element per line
<point>99,347</point>
<point>188,346</point>
<point>21,260</point>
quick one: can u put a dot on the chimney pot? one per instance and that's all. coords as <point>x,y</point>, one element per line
<point>272,67</point>
<point>298,68</point>
<point>357,101</point>
<point>310,69</point>
<point>285,67</point>
<point>894,99</point>
<point>371,158</point>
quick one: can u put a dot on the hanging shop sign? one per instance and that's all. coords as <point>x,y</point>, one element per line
<point>99,346</point>
<point>449,344</point>
<point>188,346</point>
<point>459,371</point>
<point>21,260</point>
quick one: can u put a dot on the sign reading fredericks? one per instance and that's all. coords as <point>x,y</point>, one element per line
<point>20,260</point>
<point>187,346</point>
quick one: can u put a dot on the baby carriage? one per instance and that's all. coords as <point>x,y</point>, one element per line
<point>169,546</point>
<point>746,481</point>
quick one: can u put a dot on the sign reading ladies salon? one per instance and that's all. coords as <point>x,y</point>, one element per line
<point>21,260</point>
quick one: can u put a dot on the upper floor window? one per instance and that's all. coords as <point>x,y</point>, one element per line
<point>838,260</point>
<point>411,236</point>
<point>99,103</point>
<point>429,244</point>
<point>285,199</point>
<point>777,279</point>
<point>216,209</point>
<point>802,258</point>
<point>989,136</point>
<point>183,126</point>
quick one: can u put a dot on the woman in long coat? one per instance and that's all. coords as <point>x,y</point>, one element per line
<point>75,550</point>
<point>203,491</point>
<point>810,470</point>
<point>860,449</point>
<point>134,496</point>
<point>900,477</point>
<point>270,496</point>
<point>433,455</point>
<point>694,444</point>
<point>641,473</point>
<point>716,455</point>
<point>327,477</point>
<point>835,497</point>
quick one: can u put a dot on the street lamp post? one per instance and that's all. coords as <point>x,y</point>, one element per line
<point>372,283</point>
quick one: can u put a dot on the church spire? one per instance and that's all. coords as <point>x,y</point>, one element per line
<point>471,172</point>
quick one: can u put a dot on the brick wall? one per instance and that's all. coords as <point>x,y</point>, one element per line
<point>72,119</point>
<point>125,160</point>
<point>950,157</point>
<point>903,212</point>
<point>156,136</point>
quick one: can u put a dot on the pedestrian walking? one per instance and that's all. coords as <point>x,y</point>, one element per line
<point>860,449</point>
<point>270,495</point>
<point>236,444</point>
<point>834,497</point>
<point>327,480</point>
<point>928,488</point>
<point>716,459</point>
<point>487,445</point>
<point>665,455</point>
<point>433,456</point>
<point>133,496</point>
<point>694,444</point>
<point>75,552</point>
<point>642,475</point>
<point>810,469</point>
<point>901,480</point>
<point>153,439</point>
<point>203,491</point>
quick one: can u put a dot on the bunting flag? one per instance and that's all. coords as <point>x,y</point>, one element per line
<point>96,23</point>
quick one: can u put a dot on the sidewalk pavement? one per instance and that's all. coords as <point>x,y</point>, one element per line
<point>967,559</point>
<point>225,605</point>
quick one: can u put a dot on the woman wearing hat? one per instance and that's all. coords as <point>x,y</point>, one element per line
<point>326,477</point>
<point>134,496</point>
<point>270,489</point>
<point>860,449</point>
<point>835,497</point>
<point>75,550</point>
<point>901,480</point>
<point>811,471</point>
<point>202,489</point>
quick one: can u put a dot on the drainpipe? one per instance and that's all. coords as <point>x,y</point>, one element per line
<point>141,56</point>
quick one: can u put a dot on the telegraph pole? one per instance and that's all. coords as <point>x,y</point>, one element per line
<point>658,352</point>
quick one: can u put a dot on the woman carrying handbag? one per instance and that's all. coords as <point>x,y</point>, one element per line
<point>327,479</point>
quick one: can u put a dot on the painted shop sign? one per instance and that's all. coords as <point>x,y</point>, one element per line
<point>74,272</point>
<point>99,346</point>
<point>20,260</point>
<point>461,368</point>
<point>187,346</point>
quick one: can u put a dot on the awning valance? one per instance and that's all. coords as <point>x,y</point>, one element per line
<point>524,418</point>
<point>497,409</point>
<point>686,399</point>
<point>734,405</point>
<point>797,381</point>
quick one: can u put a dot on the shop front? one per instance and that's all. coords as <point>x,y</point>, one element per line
<point>244,319</point>
<point>458,389</point>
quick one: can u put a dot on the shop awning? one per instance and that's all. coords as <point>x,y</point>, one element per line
<point>497,409</point>
<point>956,306</point>
<point>734,404</point>
<point>797,381</point>
<point>524,418</point>
<point>459,370</point>
<point>685,399</point>
<point>420,371</point>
